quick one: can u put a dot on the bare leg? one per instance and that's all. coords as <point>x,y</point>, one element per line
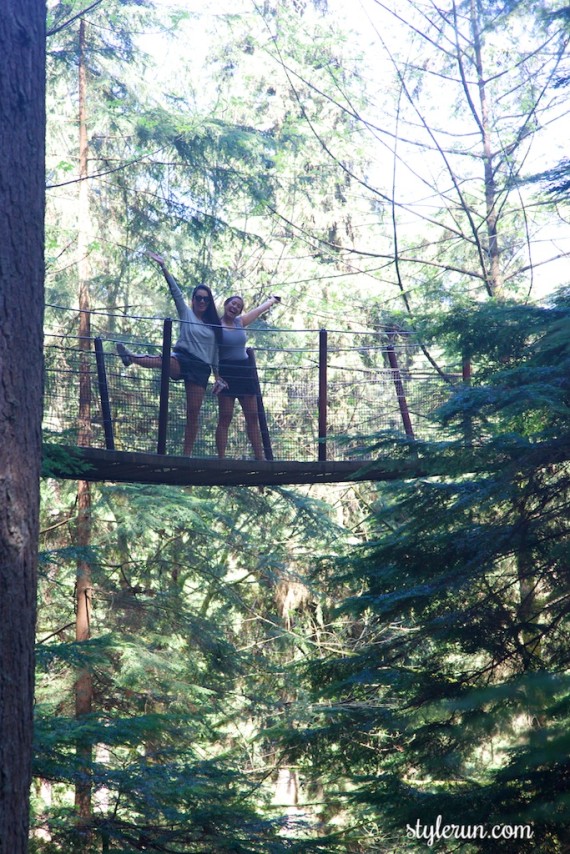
<point>249,406</point>
<point>226,411</point>
<point>194,397</point>
<point>144,361</point>
<point>156,362</point>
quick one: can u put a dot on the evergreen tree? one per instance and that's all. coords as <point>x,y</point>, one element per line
<point>454,700</point>
<point>199,598</point>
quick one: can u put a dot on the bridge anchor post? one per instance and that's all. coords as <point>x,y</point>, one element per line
<point>104,395</point>
<point>399,385</point>
<point>261,415</point>
<point>323,394</point>
<point>164,385</point>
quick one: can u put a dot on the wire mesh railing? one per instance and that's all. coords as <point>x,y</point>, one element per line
<point>319,402</point>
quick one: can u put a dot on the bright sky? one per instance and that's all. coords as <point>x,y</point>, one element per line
<point>369,27</point>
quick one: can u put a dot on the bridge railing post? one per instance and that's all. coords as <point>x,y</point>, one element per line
<point>399,385</point>
<point>323,394</point>
<point>164,385</point>
<point>261,414</point>
<point>104,395</point>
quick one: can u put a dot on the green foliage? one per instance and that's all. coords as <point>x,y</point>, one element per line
<point>199,596</point>
<point>454,699</point>
<point>159,790</point>
<point>61,459</point>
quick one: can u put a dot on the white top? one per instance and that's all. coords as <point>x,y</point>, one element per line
<point>232,348</point>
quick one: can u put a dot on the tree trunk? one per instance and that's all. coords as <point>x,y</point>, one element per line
<point>84,683</point>
<point>493,273</point>
<point>22,197</point>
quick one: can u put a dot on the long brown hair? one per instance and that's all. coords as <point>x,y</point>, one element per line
<point>210,316</point>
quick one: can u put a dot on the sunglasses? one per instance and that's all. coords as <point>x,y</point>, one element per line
<point>200,298</point>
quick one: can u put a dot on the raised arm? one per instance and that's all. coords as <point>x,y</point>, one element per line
<point>173,286</point>
<point>252,315</point>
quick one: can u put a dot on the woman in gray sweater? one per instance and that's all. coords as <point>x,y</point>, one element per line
<point>195,353</point>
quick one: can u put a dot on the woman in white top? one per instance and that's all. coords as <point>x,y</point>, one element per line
<point>238,374</point>
<point>195,353</point>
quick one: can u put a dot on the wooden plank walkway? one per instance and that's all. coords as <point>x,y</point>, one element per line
<point>95,464</point>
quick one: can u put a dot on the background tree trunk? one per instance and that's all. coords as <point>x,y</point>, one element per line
<point>22,195</point>
<point>84,683</point>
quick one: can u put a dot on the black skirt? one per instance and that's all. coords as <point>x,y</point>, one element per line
<point>192,369</point>
<point>239,377</point>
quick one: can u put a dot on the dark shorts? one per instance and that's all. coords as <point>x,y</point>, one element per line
<point>239,377</point>
<point>192,369</point>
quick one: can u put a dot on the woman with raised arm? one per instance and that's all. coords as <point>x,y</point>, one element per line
<point>238,373</point>
<point>195,354</point>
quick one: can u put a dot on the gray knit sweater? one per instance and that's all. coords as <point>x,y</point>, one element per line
<point>195,336</point>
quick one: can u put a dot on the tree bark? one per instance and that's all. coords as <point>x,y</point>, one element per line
<point>493,273</point>
<point>84,682</point>
<point>22,197</point>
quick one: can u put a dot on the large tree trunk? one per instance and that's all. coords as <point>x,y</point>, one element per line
<point>22,195</point>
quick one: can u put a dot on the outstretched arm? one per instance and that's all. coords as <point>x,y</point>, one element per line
<point>252,315</point>
<point>173,286</point>
<point>154,256</point>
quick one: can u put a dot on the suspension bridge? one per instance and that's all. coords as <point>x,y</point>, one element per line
<point>322,396</point>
